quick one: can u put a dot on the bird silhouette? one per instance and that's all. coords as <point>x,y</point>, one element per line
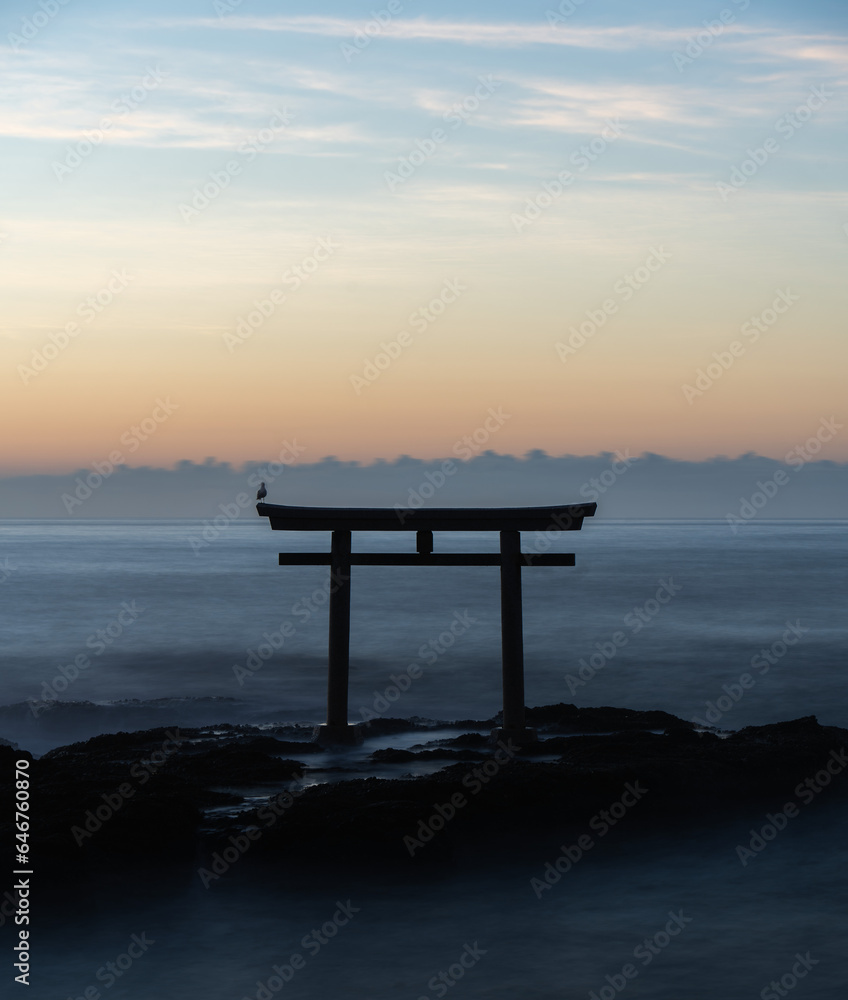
<point>261,493</point>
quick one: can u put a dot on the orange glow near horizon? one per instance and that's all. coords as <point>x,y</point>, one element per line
<point>84,408</point>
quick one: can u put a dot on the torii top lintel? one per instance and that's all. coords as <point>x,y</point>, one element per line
<point>566,517</point>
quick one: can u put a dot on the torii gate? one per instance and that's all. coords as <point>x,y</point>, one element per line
<point>508,521</point>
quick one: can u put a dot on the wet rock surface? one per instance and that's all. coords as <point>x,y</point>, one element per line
<point>189,793</point>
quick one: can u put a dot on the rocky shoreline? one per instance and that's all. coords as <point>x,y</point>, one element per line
<point>415,791</point>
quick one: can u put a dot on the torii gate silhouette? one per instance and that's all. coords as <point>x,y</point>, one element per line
<point>508,521</point>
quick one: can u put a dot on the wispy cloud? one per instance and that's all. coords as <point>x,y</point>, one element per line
<point>564,105</point>
<point>782,48</point>
<point>738,40</point>
<point>504,34</point>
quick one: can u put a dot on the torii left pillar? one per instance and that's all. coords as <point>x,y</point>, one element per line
<point>336,729</point>
<point>512,641</point>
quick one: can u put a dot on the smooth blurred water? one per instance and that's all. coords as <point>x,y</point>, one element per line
<point>742,926</point>
<point>202,610</point>
<point>203,613</point>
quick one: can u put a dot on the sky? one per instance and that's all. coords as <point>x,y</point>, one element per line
<point>383,230</point>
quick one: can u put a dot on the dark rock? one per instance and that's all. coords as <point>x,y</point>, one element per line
<point>389,727</point>
<point>299,747</point>
<point>235,764</point>
<point>137,794</point>
<point>569,718</point>
<point>392,756</point>
<point>476,740</point>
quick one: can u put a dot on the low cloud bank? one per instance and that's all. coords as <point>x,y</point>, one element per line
<point>648,486</point>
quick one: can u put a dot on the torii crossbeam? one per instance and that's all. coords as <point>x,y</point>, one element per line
<point>508,521</point>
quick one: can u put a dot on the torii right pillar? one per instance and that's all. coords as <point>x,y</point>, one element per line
<point>512,642</point>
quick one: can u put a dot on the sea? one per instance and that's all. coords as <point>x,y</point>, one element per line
<point>117,625</point>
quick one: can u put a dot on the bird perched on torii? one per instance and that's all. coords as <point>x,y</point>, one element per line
<point>261,493</point>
